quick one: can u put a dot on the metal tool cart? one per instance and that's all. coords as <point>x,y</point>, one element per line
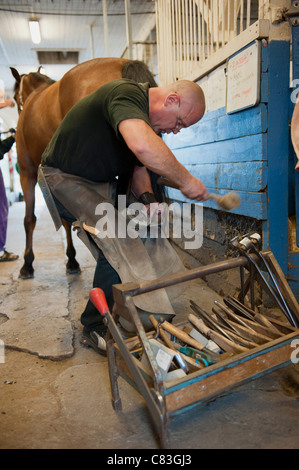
<point>251,344</point>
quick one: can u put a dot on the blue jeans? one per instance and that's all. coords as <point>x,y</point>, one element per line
<point>104,277</point>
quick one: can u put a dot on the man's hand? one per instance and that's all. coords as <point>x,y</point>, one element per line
<point>7,103</point>
<point>195,189</point>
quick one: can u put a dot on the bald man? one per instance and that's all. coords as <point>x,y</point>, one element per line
<point>113,135</point>
<point>171,108</point>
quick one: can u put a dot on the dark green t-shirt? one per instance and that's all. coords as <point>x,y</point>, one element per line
<point>5,145</point>
<point>87,142</point>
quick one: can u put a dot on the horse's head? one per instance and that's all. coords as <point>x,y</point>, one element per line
<point>26,84</point>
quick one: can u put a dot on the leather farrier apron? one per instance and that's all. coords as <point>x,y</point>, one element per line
<point>135,260</point>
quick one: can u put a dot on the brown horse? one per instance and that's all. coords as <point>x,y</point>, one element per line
<point>42,104</point>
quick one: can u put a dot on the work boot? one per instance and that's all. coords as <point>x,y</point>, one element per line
<point>95,339</point>
<point>6,256</point>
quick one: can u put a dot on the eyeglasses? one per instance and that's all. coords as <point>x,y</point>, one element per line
<point>178,118</point>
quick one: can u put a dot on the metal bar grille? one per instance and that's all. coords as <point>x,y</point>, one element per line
<point>191,31</point>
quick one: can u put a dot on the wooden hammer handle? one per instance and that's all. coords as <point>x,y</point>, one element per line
<point>170,345</point>
<point>223,343</point>
<point>162,333</point>
<point>173,330</point>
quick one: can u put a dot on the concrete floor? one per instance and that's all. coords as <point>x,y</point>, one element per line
<point>55,394</point>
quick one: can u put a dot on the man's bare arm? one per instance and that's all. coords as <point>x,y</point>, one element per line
<point>150,149</point>
<point>141,181</point>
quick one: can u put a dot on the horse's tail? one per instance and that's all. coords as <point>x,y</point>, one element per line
<point>138,71</point>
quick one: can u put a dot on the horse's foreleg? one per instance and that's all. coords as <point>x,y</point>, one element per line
<point>28,186</point>
<point>72,266</point>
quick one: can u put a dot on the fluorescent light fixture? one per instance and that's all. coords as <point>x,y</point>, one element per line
<point>34,30</point>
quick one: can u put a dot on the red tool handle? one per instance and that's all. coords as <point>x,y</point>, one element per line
<point>98,299</point>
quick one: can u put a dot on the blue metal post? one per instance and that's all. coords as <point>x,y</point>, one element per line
<point>278,148</point>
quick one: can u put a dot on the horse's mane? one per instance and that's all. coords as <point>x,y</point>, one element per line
<point>39,77</point>
<point>138,71</point>
<point>42,78</point>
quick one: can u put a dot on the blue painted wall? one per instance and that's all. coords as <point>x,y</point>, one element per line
<point>228,152</point>
<point>248,152</point>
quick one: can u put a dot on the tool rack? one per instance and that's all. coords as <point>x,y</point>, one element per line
<point>164,400</point>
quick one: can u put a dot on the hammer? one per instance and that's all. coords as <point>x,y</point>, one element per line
<point>229,201</point>
<point>181,361</point>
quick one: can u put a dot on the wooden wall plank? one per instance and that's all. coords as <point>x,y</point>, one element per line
<point>244,149</point>
<point>218,126</point>
<point>242,176</point>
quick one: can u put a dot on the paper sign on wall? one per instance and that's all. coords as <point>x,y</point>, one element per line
<point>243,79</point>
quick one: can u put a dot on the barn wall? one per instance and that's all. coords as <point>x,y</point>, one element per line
<point>246,152</point>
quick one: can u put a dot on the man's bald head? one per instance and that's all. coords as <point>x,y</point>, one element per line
<point>175,106</point>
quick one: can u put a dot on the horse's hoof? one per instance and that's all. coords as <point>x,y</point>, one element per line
<point>26,275</point>
<point>73,270</point>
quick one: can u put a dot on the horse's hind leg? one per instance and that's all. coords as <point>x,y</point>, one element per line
<point>72,266</point>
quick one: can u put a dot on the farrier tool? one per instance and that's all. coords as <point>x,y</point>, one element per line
<point>229,201</point>
<point>250,315</point>
<point>179,360</point>
<point>191,342</point>
<point>221,330</point>
<point>199,356</point>
<point>224,343</point>
<point>249,242</point>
